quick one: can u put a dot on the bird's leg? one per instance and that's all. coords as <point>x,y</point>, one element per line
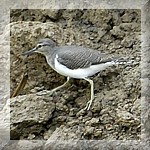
<point>45,92</point>
<point>59,87</point>
<point>88,105</point>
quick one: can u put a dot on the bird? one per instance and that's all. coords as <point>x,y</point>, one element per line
<point>74,61</point>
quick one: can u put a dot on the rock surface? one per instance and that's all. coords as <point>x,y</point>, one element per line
<point>113,114</point>
<point>29,114</point>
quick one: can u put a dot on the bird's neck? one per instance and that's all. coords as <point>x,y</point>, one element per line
<point>50,55</point>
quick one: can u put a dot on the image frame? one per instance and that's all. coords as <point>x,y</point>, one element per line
<point>144,143</point>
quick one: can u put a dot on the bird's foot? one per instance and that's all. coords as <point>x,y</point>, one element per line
<point>88,105</point>
<point>45,92</point>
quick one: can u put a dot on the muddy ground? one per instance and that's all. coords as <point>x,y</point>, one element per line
<point>115,112</point>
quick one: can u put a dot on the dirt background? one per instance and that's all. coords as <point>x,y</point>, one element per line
<point>115,112</point>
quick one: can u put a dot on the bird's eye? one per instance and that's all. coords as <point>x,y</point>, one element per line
<point>39,46</point>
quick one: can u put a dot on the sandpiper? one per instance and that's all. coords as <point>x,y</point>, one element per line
<point>75,61</point>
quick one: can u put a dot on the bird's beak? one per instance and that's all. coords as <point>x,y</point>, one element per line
<point>29,52</point>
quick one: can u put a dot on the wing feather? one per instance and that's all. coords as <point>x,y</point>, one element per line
<point>75,57</point>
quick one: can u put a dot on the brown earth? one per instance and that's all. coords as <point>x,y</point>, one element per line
<point>115,112</point>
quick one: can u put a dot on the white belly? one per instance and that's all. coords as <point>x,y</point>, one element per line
<point>80,73</point>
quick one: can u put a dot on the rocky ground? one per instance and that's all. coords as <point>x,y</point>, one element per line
<point>115,112</point>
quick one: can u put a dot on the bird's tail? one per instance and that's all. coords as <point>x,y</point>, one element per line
<point>123,60</point>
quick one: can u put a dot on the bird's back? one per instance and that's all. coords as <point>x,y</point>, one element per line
<point>75,57</point>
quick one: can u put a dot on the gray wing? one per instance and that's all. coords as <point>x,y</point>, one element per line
<point>74,57</point>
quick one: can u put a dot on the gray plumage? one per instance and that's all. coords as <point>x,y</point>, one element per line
<point>73,57</point>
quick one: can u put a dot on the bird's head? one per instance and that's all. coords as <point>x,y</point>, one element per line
<point>44,46</point>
